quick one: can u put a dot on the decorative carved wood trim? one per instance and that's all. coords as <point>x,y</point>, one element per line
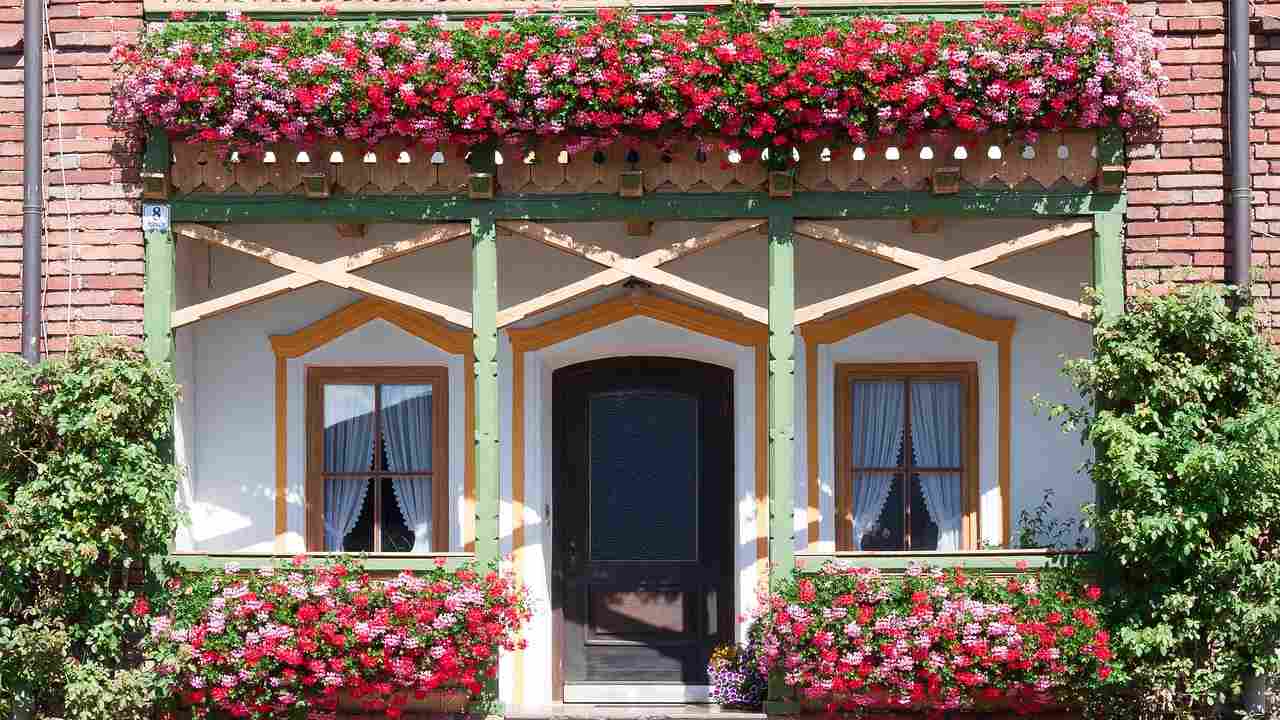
<point>546,168</point>
<point>294,281</point>
<point>928,269</point>
<point>324,272</point>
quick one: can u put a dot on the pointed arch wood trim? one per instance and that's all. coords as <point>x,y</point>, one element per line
<point>332,327</point>
<point>609,312</point>
<point>927,306</point>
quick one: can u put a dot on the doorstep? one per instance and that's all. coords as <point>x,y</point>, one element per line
<point>588,711</point>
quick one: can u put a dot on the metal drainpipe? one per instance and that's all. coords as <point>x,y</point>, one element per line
<point>32,166</point>
<point>1238,112</point>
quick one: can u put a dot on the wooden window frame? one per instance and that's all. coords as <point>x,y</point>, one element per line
<point>967,373</point>
<point>435,376</point>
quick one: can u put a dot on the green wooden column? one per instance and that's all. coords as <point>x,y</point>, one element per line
<point>782,376</point>
<point>484,321</point>
<point>1108,230</point>
<point>1108,260</point>
<point>158,296</point>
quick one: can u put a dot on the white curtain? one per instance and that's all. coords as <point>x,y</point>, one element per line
<point>936,434</point>
<point>348,448</point>
<point>878,416</point>
<point>406,427</point>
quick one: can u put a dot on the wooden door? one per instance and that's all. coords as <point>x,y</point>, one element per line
<point>643,469</point>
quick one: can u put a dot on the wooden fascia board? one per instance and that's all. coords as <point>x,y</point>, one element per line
<point>219,208</point>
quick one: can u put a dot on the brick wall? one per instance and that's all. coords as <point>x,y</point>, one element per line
<point>1178,177</point>
<point>93,245</point>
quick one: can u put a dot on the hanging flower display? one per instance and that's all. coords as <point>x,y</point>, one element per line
<point>850,639</point>
<point>741,76</point>
<point>290,639</point>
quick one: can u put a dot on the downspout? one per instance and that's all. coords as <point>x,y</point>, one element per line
<point>32,172</point>
<point>1238,113</point>
<point>1254,695</point>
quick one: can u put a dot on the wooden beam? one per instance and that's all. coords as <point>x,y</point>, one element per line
<point>612,276</point>
<point>323,273</point>
<point>559,296</point>
<point>634,267</point>
<point>266,290</point>
<point>214,208</point>
<point>927,269</point>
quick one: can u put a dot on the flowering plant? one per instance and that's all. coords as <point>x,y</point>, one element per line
<point>286,641</point>
<point>738,76</point>
<point>849,638</point>
<point>735,675</point>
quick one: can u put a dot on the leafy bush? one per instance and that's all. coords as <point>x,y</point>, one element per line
<point>1180,404</point>
<point>285,641</point>
<point>850,639</point>
<point>1039,527</point>
<point>86,500</point>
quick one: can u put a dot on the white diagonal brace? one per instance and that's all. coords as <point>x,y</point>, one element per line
<point>295,281</point>
<point>633,267</point>
<point>320,273</point>
<point>928,269</point>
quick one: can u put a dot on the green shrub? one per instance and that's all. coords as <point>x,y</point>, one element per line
<point>86,500</point>
<point>1180,404</point>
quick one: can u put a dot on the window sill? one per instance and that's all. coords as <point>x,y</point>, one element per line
<point>374,562</point>
<point>991,560</point>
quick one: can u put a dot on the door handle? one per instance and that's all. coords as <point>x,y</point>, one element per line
<point>572,555</point>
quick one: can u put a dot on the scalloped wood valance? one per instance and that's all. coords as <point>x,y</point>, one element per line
<point>1068,159</point>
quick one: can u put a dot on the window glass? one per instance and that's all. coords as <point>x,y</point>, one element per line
<point>906,455</point>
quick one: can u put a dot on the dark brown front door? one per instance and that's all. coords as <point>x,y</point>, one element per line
<point>643,496</point>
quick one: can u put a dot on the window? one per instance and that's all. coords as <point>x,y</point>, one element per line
<point>377,464</point>
<point>907,456</point>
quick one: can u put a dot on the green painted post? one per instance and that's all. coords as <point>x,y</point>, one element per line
<point>782,376</point>
<point>484,323</point>
<point>1108,260</point>
<point>1108,230</point>
<point>158,298</point>
<point>484,314</point>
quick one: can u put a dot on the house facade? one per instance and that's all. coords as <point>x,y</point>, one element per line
<point>644,378</point>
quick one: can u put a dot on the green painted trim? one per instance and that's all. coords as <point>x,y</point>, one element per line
<point>1000,561</point>
<point>782,380</point>
<point>158,155</point>
<point>484,320</point>
<point>1111,147</point>
<point>210,208</point>
<point>376,563</point>
<point>1108,261</point>
<point>158,297</point>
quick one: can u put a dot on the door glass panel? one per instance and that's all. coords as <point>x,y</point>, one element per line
<point>644,469</point>
<point>638,613</point>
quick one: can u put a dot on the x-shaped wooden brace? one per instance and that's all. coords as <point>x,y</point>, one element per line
<point>336,272</point>
<point>619,268</point>
<point>927,269</point>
